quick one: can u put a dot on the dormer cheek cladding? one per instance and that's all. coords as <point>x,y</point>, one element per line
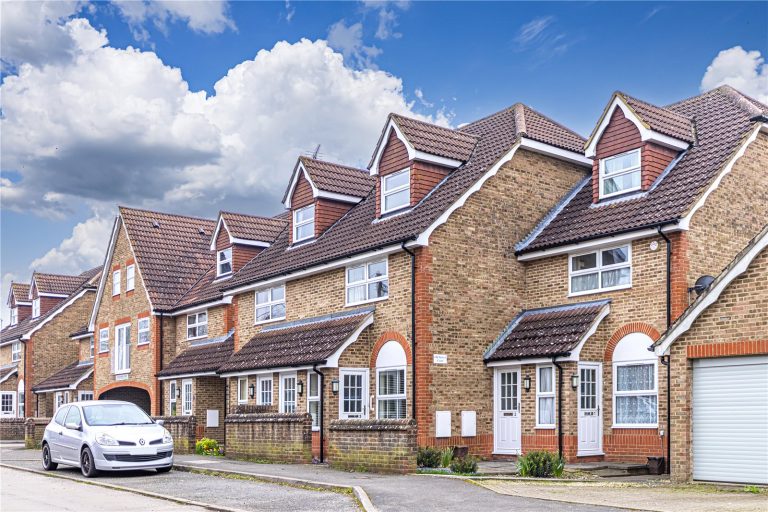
<point>620,136</point>
<point>241,254</point>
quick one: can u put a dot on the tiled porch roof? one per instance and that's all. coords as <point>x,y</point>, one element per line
<point>203,356</point>
<point>67,377</point>
<point>6,371</point>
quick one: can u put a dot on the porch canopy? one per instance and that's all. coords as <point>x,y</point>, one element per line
<point>202,358</point>
<point>7,371</point>
<point>548,332</point>
<point>66,378</point>
<point>302,343</point>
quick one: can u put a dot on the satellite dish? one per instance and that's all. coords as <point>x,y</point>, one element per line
<point>702,284</point>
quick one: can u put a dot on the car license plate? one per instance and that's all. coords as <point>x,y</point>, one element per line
<point>144,450</point>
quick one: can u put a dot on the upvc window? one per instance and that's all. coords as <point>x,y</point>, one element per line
<point>172,398</point>
<point>130,277</point>
<point>390,393</point>
<point>104,340</point>
<point>197,325</point>
<point>16,351</point>
<point>367,282</point>
<point>82,396</point>
<point>36,307</point>
<point>288,393</point>
<point>116,282</point>
<point>304,223</point>
<point>14,316</point>
<point>20,406</point>
<point>313,398</point>
<point>396,191</point>
<point>224,259</point>
<point>635,394</point>
<point>123,348</point>
<point>601,270</point>
<point>186,397</point>
<point>60,398</point>
<point>620,174</point>
<point>545,397</point>
<point>7,399</point>
<point>143,338</point>
<point>90,347</point>
<point>242,390</point>
<point>264,386</point>
<point>354,392</point>
<point>270,304</point>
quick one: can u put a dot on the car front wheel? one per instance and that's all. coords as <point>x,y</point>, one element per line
<point>87,466</point>
<point>48,464</point>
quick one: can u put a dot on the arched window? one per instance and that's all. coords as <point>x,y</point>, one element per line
<point>20,395</point>
<point>390,381</point>
<point>635,383</point>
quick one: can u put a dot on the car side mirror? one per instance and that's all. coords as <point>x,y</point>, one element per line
<point>72,426</point>
<point>160,422</point>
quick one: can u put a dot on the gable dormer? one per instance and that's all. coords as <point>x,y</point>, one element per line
<point>411,158</point>
<point>19,302</point>
<point>320,193</point>
<point>632,145</point>
<point>238,238</point>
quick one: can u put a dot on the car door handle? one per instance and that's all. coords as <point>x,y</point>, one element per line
<point>61,432</point>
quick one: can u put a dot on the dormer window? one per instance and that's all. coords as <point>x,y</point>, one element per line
<point>304,223</point>
<point>14,316</point>
<point>620,174</point>
<point>224,259</point>
<point>396,191</point>
<point>36,308</point>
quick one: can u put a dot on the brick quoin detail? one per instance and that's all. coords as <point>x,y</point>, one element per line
<point>628,329</point>
<point>390,336</point>
<point>735,348</point>
<point>423,379</point>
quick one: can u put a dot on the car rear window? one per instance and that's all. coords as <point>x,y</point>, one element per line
<point>60,415</point>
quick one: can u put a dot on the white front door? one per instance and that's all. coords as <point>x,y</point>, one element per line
<point>590,415</point>
<point>8,403</point>
<point>354,394</point>
<point>506,430</point>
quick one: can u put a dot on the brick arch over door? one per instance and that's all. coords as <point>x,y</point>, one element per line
<point>628,329</point>
<point>134,392</point>
<point>390,336</point>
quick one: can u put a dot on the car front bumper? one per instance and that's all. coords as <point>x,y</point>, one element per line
<point>115,458</point>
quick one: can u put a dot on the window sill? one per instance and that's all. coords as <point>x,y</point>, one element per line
<point>270,321</point>
<point>141,346</point>
<point>370,301</point>
<point>123,372</point>
<point>190,339</point>
<point>315,429</point>
<point>636,427</point>
<point>545,427</point>
<point>600,290</point>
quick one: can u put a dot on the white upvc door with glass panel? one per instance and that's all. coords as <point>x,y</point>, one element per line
<point>354,396</point>
<point>506,411</point>
<point>288,392</point>
<point>590,423</point>
<point>186,397</point>
<point>7,404</point>
<point>122,348</point>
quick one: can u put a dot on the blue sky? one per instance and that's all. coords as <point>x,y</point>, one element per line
<point>146,127</point>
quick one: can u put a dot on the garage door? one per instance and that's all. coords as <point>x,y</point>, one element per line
<point>730,419</point>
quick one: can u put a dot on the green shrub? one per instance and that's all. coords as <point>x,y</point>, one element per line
<point>541,464</point>
<point>464,465</point>
<point>207,446</point>
<point>428,457</point>
<point>446,456</point>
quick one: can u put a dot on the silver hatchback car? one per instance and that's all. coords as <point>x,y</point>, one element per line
<point>108,435</point>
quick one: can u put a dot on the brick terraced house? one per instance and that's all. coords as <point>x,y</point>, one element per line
<point>36,346</point>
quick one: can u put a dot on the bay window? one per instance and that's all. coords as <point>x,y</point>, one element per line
<point>620,174</point>
<point>600,270</point>
<point>197,325</point>
<point>396,191</point>
<point>270,304</point>
<point>304,223</point>
<point>545,397</point>
<point>367,282</point>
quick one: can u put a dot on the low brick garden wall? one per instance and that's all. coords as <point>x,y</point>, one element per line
<point>12,429</point>
<point>270,437</point>
<point>182,429</point>
<point>383,446</point>
<point>34,428</point>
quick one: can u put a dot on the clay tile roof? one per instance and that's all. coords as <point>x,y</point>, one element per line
<point>66,377</point>
<point>340,179</point>
<point>546,332</point>
<point>57,283</point>
<point>201,357</point>
<point>253,227</point>
<point>20,292</point>
<point>172,251</point>
<point>661,119</point>
<point>436,140</point>
<point>82,331</point>
<point>723,123</point>
<point>304,342</point>
<point>536,126</point>
<point>92,274</point>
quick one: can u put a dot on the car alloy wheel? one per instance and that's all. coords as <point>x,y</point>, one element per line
<point>86,463</point>
<point>48,465</point>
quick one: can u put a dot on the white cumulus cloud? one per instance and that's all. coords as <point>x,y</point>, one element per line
<point>207,17</point>
<point>741,69</point>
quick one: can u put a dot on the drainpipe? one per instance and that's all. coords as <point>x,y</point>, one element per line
<point>413,329</point>
<point>559,405</point>
<point>666,360</point>
<point>321,412</point>
<point>160,342</point>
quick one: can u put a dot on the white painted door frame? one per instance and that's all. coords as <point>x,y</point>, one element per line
<point>590,420</point>
<point>508,418</point>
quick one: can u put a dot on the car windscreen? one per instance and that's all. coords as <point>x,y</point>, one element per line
<point>114,414</point>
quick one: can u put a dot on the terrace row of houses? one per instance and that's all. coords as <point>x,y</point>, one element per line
<point>504,286</point>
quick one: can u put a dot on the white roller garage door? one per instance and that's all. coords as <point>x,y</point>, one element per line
<point>730,419</point>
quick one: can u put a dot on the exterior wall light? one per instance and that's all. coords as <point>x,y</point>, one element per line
<point>178,392</point>
<point>252,391</point>
<point>335,386</point>
<point>300,388</point>
<point>527,383</point>
<point>575,380</point>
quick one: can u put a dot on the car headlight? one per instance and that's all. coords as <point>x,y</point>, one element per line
<point>167,437</point>
<point>105,439</point>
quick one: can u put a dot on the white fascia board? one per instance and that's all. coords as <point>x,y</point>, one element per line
<point>188,375</point>
<point>435,159</point>
<point>10,374</point>
<point>344,198</point>
<point>216,232</point>
<point>104,273</point>
<point>646,134</point>
<point>82,336</point>
<point>81,379</point>
<point>54,295</point>
<point>243,241</point>
<point>295,180</point>
<point>59,309</point>
<point>592,329</point>
<point>232,239</point>
<point>689,317</point>
<point>262,371</point>
<point>291,276</point>
<point>333,360</point>
<point>200,307</point>
<point>559,153</point>
<point>383,143</point>
<point>533,360</point>
<point>685,222</point>
<point>23,304</point>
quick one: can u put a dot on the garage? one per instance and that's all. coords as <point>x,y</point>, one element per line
<point>131,394</point>
<point>730,419</point>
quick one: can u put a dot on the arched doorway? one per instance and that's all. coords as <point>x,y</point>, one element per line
<point>131,394</point>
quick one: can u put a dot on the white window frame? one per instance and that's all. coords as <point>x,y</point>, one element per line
<point>644,392</point>
<point>142,326</point>
<point>397,396</point>
<point>366,281</point>
<point>91,347</point>
<point>15,351</point>
<point>187,395</point>
<point>388,192</point>
<point>103,340</point>
<point>14,316</point>
<point>366,393</point>
<point>313,398</point>
<point>82,395</point>
<point>546,394</point>
<point>60,399</point>
<point>36,307</point>
<point>12,412</point>
<point>621,173</point>
<point>172,387</point>
<point>599,269</point>
<point>227,253</point>
<point>271,302</point>
<point>260,381</point>
<point>115,282</point>
<point>126,347</point>
<point>130,277</point>
<point>297,224</point>
<point>20,400</point>
<point>197,324</point>
<point>283,402</point>
<point>242,390</point>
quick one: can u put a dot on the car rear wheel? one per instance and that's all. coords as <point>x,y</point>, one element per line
<point>48,464</point>
<point>87,466</point>
<point>165,469</point>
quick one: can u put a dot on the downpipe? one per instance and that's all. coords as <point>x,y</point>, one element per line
<point>665,360</point>
<point>321,412</point>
